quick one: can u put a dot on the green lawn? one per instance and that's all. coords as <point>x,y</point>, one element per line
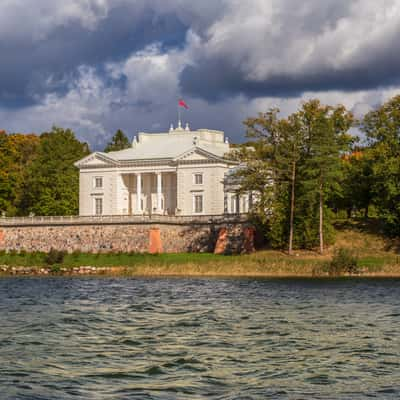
<point>113,259</point>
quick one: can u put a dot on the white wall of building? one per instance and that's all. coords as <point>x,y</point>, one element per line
<point>118,192</point>
<point>212,188</point>
<point>88,192</point>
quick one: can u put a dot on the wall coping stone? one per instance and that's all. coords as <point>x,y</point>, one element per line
<point>123,220</point>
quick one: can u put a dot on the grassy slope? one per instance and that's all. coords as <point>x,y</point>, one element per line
<point>377,255</point>
<point>376,252</point>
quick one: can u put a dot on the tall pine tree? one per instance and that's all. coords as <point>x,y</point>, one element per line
<point>326,139</point>
<point>118,142</point>
<point>280,142</point>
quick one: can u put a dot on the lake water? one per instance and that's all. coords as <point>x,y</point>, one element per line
<point>119,338</point>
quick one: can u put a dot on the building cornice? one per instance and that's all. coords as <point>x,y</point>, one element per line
<point>183,159</point>
<point>157,163</point>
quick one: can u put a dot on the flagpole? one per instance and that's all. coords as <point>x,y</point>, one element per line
<point>181,103</point>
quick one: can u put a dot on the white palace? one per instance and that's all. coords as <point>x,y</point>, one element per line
<point>180,172</point>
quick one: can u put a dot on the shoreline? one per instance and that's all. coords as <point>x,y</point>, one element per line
<point>178,272</point>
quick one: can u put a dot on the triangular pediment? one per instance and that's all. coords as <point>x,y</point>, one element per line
<point>198,154</point>
<point>95,160</point>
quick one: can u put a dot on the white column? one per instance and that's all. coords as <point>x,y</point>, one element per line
<point>159,192</point>
<point>139,193</point>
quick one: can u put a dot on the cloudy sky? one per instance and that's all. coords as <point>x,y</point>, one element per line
<point>99,65</point>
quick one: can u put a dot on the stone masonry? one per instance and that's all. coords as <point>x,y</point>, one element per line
<point>103,238</point>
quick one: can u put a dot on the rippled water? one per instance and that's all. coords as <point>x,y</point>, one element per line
<point>106,338</point>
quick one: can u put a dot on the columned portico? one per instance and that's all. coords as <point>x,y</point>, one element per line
<point>159,193</point>
<point>150,192</point>
<point>139,209</point>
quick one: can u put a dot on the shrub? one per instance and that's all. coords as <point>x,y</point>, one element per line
<point>343,261</point>
<point>55,269</point>
<point>55,257</point>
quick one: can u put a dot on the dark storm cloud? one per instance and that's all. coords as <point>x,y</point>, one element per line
<point>311,47</point>
<point>215,80</point>
<point>30,69</point>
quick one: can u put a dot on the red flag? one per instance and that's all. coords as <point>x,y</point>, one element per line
<point>181,103</point>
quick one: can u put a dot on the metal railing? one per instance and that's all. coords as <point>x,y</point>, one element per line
<point>123,219</point>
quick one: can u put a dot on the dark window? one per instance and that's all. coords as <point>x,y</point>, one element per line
<point>198,203</point>
<point>99,206</point>
<point>198,179</point>
<point>98,182</point>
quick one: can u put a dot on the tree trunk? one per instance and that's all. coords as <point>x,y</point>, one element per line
<point>366,211</point>
<point>321,220</point>
<point>292,209</point>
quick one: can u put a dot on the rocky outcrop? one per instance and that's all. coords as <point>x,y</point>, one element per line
<point>235,239</point>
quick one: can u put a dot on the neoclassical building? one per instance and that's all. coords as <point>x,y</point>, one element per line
<point>180,172</point>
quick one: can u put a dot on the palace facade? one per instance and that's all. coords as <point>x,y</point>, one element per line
<point>180,172</point>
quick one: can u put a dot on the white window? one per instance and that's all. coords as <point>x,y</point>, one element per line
<point>244,204</point>
<point>233,204</point>
<point>198,179</point>
<point>198,203</point>
<point>98,182</point>
<point>98,206</point>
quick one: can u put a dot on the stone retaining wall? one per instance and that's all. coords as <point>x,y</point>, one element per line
<point>125,238</point>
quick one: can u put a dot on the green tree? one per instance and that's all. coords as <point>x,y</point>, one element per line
<point>52,182</point>
<point>259,157</point>
<point>327,138</point>
<point>118,142</point>
<point>5,167</point>
<point>357,183</point>
<point>289,154</point>
<point>17,151</point>
<point>300,158</point>
<point>272,171</point>
<point>382,128</point>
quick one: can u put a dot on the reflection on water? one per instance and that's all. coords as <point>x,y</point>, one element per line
<point>77,338</point>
